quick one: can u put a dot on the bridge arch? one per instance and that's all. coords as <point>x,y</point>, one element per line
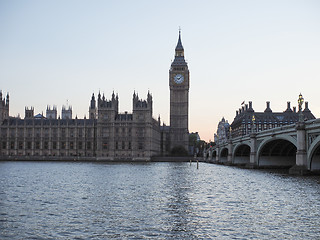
<point>277,151</point>
<point>214,154</point>
<point>207,154</point>
<point>241,154</point>
<point>223,155</point>
<point>314,155</point>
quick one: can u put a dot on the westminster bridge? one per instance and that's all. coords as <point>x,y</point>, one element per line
<point>295,146</point>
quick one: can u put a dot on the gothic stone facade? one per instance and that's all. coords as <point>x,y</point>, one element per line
<point>107,135</point>
<point>127,136</point>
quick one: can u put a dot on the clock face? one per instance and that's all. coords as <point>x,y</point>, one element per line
<point>178,78</point>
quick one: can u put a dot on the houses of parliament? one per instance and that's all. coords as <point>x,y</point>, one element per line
<point>107,134</point>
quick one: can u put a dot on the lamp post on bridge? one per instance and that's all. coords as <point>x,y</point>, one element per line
<point>301,166</point>
<point>300,103</point>
<point>253,123</point>
<point>229,157</point>
<point>253,147</point>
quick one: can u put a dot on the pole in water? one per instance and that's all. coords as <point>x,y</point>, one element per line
<point>190,162</point>
<point>197,164</point>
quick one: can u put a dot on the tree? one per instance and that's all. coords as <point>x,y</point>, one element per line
<point>179,151</point>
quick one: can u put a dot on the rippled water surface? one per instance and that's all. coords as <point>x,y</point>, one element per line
<point>61,200</point>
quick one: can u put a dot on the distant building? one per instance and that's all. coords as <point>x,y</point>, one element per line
<point>195,135</point>
<point>4,107</point>
<point>194,139</point>
<point>243,122</point>
<point>223,132</point>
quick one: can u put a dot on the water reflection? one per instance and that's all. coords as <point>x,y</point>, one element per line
<point>178,206</point>
<point>43,200</point>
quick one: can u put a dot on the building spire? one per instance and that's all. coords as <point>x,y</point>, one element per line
<point>179,44</point>
<point>179,53</point>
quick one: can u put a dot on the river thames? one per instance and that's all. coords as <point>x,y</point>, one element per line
<point>72,200</point>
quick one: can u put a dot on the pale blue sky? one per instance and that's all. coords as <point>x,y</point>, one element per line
<point>51,51</point>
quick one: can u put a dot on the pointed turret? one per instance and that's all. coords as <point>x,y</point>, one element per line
<point>179,54</point>
<point>4,107</point>
<point>51,113</point>
<point>66,112</point>
<point>7,100</point>
<point>92,107</point>
<point>179,46</point>
<point>93,102</point>
<point>149,97</point>
<point>108,109</point>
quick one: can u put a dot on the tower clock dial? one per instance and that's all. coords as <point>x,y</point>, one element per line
<point>178,78</point>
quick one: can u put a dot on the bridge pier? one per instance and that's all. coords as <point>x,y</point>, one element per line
<point>253,152</point>
<point>217,155</point>
<point>301,167</point>
<point>229,158</point>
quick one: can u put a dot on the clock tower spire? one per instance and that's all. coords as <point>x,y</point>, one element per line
<point>179,99</point>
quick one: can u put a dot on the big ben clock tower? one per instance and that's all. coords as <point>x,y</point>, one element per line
<point>179,99</point>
